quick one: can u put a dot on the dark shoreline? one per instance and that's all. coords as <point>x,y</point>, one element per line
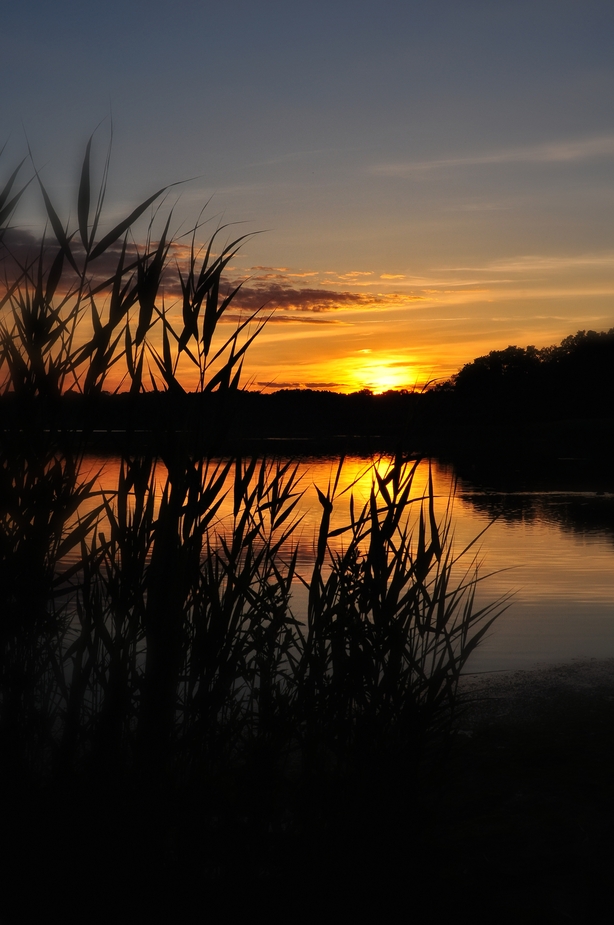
<point>518,819</point>
<point>508,452</point>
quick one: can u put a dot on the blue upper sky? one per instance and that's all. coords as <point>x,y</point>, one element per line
<point>451,163</point>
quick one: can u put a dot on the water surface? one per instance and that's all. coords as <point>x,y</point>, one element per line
<point>554,551</point>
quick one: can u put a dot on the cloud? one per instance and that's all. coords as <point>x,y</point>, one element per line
<point>290,298</point>
<point>271,290</point>
<point>283,272</point>
<point>289,319</point>
<point>550,153</point>
<point>268,276</point>
<point>322,385</point>
<point>278,385</point>
<point>478,206</point>
<point>354,277</point>
<point>274,384</point>
<point>354,274</point>
<point>21,249</point>
<point>531,262</point>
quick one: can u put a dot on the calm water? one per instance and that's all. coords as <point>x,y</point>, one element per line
<point>555,552</point>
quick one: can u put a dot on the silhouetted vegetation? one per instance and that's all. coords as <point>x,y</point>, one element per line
<point>523,417</point>
<point>150,656</point>
<point>572,379</point>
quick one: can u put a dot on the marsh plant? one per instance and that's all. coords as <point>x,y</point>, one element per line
<point>140,631</point>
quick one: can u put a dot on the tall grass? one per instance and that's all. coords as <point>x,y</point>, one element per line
<point>139,633</point>
<point>391,622</point>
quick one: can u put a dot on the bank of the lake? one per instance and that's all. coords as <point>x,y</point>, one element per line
<point>513,821</point>
<point>510,442</point>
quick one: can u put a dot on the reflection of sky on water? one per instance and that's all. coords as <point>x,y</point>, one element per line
<point>559,550</point>
<point>554,551</point>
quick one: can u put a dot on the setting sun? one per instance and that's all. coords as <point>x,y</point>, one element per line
<point>380,372</point>
<point>380,377</point>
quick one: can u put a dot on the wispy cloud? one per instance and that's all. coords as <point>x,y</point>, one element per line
<point>355,275</point>
<point>298,384</point>
<point>531,262</point>
<point>295,318</point>
<point>549,153</point>
<point>479,206</point>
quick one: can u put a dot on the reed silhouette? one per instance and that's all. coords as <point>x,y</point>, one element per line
<point>143,642</point>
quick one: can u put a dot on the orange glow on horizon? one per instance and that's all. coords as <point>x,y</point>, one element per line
<point>323,333</point>
<point>376,371</point>
<point>381,374</point>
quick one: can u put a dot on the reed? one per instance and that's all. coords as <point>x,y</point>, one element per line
<point>140,633</point>
<point>391,625</point>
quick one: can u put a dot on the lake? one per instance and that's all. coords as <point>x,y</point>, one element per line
<point>553,550</point>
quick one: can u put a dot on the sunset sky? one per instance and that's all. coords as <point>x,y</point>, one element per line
<point>432,179</point>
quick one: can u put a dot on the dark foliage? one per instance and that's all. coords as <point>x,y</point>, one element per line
<point>573,379</point>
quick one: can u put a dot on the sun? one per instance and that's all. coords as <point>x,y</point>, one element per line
<point>378,372</point>
<point>381,375</point>
<point>384,378</point>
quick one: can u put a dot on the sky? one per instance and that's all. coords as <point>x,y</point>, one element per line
<point>426,180</point>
